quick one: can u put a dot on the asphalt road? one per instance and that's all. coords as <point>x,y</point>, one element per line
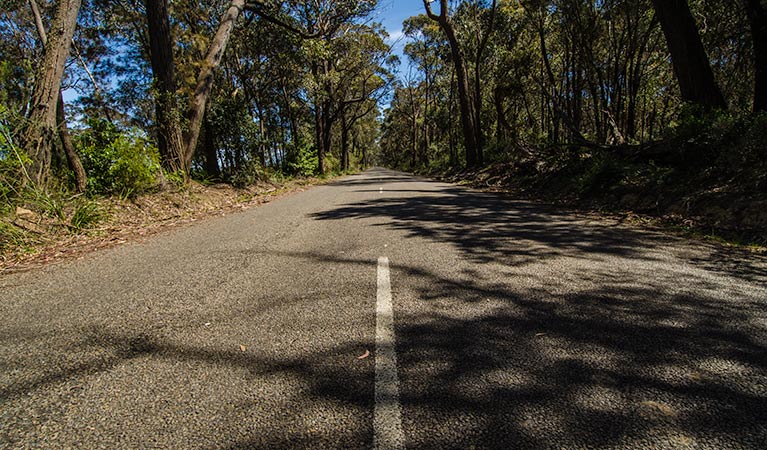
<point>513,325</point>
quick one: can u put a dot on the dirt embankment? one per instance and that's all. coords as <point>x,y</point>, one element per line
<point>33,237</point>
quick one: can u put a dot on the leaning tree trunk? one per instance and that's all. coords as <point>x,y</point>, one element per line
<point>757,17</point>
<point>471,131</point>
<point>38,135</point>
<point>81,181</point>
<point>73,159</point>
<point>691,64</point>
<point>206,77</point>
<point>167,117</point>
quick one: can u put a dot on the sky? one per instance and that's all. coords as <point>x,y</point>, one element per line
<point>391,13</point>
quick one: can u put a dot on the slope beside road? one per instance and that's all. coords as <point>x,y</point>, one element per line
<point>509,325</point>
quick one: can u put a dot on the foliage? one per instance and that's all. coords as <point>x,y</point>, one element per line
<point>12,164</point>
<point>86,215</point>
<point>305,163</point>
<point>250,173</point>
<point>119,162</point>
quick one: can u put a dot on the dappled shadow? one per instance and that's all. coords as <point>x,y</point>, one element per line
<point>599,367</point>
<point>625,339</point>
<point>495,365</point>
<point>491,228</point>
<point>615,343</point>
<point>372,176</point>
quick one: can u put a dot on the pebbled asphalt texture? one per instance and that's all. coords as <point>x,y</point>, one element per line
<point>518,326</point>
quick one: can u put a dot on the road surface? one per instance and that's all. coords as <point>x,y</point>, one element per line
<point>487,322</point>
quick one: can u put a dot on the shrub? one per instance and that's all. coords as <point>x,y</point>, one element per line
<point>12,162</point>
<point>86,215</point>
<point>250,173</point>
<point>305,163</point>
<point>118,162</point>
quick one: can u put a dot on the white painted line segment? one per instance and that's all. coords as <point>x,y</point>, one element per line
<point>387,417</point>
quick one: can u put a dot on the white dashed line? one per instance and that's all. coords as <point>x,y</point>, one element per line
<point>387,418</point>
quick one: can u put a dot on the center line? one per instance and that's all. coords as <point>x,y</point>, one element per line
<point>387,418</point>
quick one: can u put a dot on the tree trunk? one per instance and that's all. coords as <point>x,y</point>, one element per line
<point>167,124</point>
<point>322,135</point>
<point>344,144</point>
<point>73,159</point>
<point>688,57</point>
<point>205,79</point>
<point>38,135</point>
<point>758,19</point>
<point>211,153</point>
<point>471,131</point>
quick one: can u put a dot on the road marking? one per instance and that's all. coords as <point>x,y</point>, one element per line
<point>387,418</point>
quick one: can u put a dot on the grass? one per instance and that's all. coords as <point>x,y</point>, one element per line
<point>86,215</point>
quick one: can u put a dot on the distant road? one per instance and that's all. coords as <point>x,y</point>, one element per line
<point>384,309</point>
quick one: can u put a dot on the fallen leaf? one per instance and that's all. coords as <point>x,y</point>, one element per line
<point>364,355</point>
<point>242,348</point>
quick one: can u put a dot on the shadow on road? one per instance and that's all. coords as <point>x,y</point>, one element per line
<point>624,342</point>
<point>626,347</point>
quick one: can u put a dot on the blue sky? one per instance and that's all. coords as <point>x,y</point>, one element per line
<point>391,13</point>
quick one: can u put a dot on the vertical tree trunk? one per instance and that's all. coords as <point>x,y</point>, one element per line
<point>321,135</point>
<point>344,144</point>
<point>211,153</point>
<point>167,115</point>
<point>38,135</point>
<point>471,131</point>
<point>688,57</point>
<point>205,79</point>
<point>758,19</point>
<point>261,137</point>
<point>73,159</point>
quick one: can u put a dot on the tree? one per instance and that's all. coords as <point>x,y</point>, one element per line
<point>471,129</point>
<point>66,140</point>
<point>167,124</point>
<point>38,136</point>
<point>205,79</point>
<point>757,16</point>
<point>689,59</point>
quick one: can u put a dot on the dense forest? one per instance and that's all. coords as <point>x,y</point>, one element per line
<point>224,90</point>
<point>656,105</point>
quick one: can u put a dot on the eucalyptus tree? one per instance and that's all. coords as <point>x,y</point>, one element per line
<point>691,64</point>
<point>469,89</point>
<point>44,104</point>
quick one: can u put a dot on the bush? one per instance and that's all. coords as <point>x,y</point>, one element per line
<point>12,162</point>
<point>86,215</point>
<point>305,163</point>
<point>118,162</point>
<point>250,173</point>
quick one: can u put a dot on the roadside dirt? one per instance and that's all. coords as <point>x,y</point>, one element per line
<point>135,220</point>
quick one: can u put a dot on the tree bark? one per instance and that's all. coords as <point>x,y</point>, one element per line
<point>167,123</point>
<point>688,57</point>
<point>758,19</point>
<point>81,180</point>
<point>471,131</point>
<point>73,159</point>
<point>210,151</point>
<point>344,144</point>
<point>206,77</point>
<point>38,135</point>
